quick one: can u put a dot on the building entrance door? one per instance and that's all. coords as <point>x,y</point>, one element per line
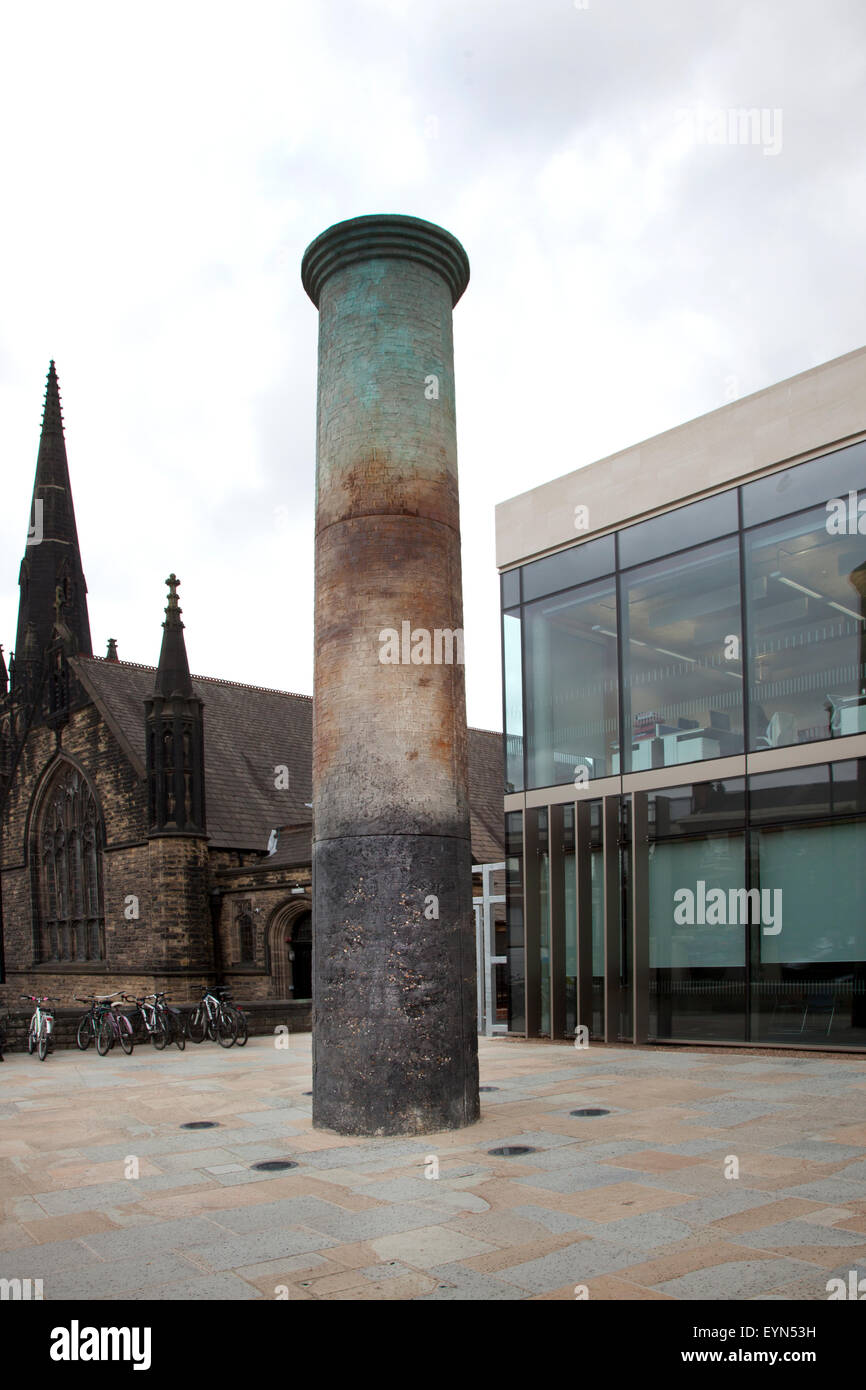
<point>302,956</point>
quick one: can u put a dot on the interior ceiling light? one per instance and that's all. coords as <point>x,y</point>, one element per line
<point>678,655</point>
<point>792,584</point>
<point>850,611</point>
<point>812,593</point>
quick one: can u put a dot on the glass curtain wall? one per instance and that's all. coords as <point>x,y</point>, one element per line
<point>630,653</point>
<point>800,622</point>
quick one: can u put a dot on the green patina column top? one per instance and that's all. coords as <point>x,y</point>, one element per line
<point>384,235</point>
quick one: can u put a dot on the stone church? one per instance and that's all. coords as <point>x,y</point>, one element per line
<point>155,827</point>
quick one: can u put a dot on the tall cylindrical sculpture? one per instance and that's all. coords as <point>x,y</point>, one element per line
<point>394,1030</point>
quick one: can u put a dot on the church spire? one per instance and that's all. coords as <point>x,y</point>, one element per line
<point>172,674</point>
<point>51,567</point>
<point>175,736</point>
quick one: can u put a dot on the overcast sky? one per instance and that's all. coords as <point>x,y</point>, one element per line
<point>164,167</point>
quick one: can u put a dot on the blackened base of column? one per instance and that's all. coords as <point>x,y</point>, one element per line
<point>395,1048</point>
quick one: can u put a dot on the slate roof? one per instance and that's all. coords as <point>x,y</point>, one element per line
<point>486,792</point>
<point>248,733</point>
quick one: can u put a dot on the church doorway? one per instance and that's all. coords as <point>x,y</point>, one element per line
<point>290,951</point>
<point>302,953</point>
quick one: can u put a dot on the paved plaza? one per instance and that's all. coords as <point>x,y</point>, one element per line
<point>106,1196</point>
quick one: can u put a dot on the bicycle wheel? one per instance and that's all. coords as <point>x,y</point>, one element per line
<point>105,1037</point>
<point>240,1019</point>
<point>42,1045</point>
<point>178,1031</point>
<point>226,1029</point>
<point>124,1032</point>
<point>159,1036</point>
<point>31,1039</point>
<point>84,1037</point>
<point>197,1025</point>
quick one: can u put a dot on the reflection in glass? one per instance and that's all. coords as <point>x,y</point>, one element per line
<point>806,619</point>
<point>682,668</point>
<point>513,674</point>
<point>571,685</point>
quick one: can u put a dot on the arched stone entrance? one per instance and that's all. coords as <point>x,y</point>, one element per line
<point>289,939</point>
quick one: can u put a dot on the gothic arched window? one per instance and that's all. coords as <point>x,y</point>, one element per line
<point>68,859</point>
<point>246,931</point>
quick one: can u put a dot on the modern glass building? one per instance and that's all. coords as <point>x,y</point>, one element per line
<point>684,666</point>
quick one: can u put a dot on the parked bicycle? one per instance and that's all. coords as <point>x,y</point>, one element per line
<point>211,1018</point>
<point>114,1026</point>
<point>39,1037</point>
<point>175,1022</point>
<point>238,1017</point>
<point>159,1021</point>
<point>88,1028</point>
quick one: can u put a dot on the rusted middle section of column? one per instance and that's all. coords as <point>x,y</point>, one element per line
<point>394,1040</point>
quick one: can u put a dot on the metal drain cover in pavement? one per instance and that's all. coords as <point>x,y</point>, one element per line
<point>583,1113</point>
<point>201,1124</point>
<point>512,1151</point>
<point>273,1165</point>
<point>488,1088</point>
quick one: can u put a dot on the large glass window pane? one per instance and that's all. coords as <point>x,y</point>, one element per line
<point>809,945</point>
<point>591,560</point>
<point>513,676</point>
<point>806,620</point>
<point>514,920</point>
<point>571,686</point>
<point>679,529</point>
<point>697,938</point>
<point>832,475</point>
<point>682,668</point>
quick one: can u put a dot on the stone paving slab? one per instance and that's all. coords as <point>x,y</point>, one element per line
<point>573,1265</point>
<point>733,1280</point>
<point>634,1204</point>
